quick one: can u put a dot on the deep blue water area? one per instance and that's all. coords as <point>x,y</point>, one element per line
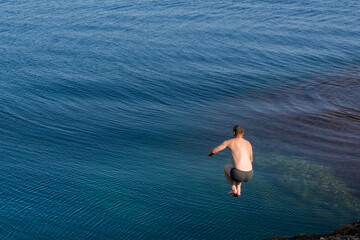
<point>109,108</point>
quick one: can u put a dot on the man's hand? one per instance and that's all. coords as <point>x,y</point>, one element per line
<point>211,153</point>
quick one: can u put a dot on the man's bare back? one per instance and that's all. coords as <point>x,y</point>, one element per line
<point>241,153</point>
<point>242,158</point>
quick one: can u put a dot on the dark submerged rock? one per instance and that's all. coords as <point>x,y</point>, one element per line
<point>349,231</point>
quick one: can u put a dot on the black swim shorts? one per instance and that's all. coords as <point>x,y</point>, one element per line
<point>240,176</point>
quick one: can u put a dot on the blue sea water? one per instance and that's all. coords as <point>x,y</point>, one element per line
<point>109,108</point>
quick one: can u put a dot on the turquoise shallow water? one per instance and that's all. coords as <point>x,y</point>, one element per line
<point>108,110</point>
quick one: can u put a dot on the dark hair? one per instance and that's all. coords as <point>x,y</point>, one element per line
<point>239,130</point>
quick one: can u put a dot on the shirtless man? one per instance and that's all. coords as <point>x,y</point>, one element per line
<point>242,157</point>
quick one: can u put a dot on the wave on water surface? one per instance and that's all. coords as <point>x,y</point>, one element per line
<point>107,112</point>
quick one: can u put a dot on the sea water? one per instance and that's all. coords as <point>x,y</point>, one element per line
<point>109,108</point>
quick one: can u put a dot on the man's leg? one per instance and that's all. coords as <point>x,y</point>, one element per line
<point>227,169</point>
<point>238,188</point>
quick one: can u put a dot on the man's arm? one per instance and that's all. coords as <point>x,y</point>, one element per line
<point>218,148</point>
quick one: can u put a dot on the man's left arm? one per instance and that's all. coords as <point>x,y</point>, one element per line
<point>218,148</point>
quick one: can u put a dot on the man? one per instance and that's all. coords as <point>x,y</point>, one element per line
<point>242,158</point>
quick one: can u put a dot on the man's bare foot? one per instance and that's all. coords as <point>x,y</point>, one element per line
<point>236,194</point>
<point>233,190</point>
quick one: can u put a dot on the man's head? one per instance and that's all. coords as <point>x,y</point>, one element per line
<point>238,131</point>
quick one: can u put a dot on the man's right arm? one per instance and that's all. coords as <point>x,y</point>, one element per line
<point>218,148</point>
